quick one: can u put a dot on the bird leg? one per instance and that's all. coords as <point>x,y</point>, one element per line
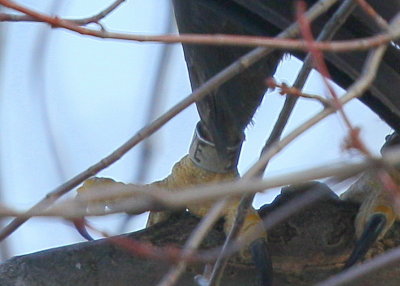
<point>184,174</point>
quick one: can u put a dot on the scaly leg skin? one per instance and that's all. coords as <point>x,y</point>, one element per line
<point>186,174</point>
<point>376,214</point>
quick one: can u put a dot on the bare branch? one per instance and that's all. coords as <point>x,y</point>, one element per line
<point>138,199</point>
<point>5,17</point>
<point>246,41</point>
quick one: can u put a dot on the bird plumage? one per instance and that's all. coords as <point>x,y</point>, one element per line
<point>227,111</point>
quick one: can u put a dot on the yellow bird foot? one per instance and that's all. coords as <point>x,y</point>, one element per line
<point>184,174</point>
<point>377,211</point>
<point>92,187</point>
<point>187,174</point>
<point>376,214</point>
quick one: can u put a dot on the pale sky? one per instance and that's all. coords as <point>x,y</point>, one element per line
<point>97,94</point>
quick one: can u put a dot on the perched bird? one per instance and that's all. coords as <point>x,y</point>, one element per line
<point>226,111</point>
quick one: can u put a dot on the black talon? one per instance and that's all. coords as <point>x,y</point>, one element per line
<point>262,260</point>
<point>371,232</point>
<point>80,226</point>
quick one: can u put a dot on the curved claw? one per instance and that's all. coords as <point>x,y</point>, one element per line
<point>373,229</point>
<point>262,260</point>
<point>80,226</point>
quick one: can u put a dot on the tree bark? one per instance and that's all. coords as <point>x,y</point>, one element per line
<point>306,248</point>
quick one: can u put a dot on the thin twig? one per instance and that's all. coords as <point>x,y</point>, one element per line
<point>39,94</point>
<point>101,15</point>
<point>382,23</point>
<point>321,66</point>
<point>330,28</point>
<point>146,150</point>
<point>5,250</point>
<point>155,101</point>
<point>292,92</point>
<point>5,17</point>
<point>231,40</point>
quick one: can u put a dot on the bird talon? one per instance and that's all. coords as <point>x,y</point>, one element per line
<point>80,226</point>
<point>373,229</point>
<point>262,261</point>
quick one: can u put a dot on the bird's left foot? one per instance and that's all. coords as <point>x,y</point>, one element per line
<point>184,174</point>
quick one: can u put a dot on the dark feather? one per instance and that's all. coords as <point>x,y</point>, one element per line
<point>227,111</point>
<point>383,96</point>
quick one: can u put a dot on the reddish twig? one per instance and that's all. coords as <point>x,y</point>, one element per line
<point>327,33</point>
<point>291,90</point>
<point>230,40</point>
<point>374,15</point>
<point>321,66</point>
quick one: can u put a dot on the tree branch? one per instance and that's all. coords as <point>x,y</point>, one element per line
<point>303,253</point>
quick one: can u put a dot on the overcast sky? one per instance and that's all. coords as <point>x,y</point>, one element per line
<point>95,94</point>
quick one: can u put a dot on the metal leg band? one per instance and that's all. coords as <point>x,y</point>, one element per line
<point>204,154</point>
